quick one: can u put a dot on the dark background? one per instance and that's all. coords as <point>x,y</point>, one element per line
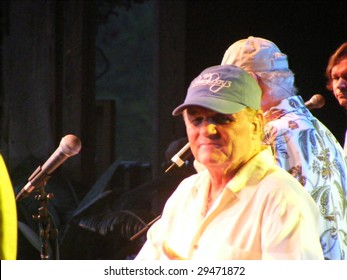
<point>48,70</point>
<point>308,32</point>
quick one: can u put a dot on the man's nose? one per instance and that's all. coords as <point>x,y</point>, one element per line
<point>342,83</point>
<point>209,128</point>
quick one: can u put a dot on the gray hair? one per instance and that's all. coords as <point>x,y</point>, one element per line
<point>282,80</point>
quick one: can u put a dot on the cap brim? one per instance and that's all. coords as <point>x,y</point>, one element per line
<point>219,105</point>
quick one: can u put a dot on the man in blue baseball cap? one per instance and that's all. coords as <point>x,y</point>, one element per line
<point>241,205</point>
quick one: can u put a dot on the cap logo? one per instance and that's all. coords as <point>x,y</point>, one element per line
<point>213,80</point>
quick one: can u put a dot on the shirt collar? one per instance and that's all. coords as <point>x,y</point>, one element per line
<point>253,171</point>
<point>286,106</point>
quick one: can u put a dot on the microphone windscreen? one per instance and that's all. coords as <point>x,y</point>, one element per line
<point>70,145</point>
<point>317,101</point>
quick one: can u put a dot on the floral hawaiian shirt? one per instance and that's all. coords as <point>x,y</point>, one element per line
<point>304,147</point>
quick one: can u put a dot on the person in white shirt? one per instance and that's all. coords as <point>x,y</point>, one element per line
<point>241,206</point>
<point>302,145</point>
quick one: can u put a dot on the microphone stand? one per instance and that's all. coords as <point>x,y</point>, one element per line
<point>143,231</point>
<point>46,228</point>
<point>177,160</point>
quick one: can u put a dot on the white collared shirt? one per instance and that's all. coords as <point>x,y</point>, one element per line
<point>262,213</point>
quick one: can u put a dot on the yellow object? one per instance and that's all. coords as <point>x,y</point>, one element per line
<point>8,216</point>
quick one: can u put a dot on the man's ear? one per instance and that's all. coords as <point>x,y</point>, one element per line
<point>258,123</point>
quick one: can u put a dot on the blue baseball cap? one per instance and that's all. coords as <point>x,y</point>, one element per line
<point>226,89</point>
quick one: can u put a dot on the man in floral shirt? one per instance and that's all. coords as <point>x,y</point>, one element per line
<point>301,143</point>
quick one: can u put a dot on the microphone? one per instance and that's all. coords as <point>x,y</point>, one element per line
<point>179,158</point>
<point>317,101</point>
<point>69,146</point>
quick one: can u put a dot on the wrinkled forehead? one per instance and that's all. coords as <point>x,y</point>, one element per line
<point>194,111</point>
<point>199,110</point>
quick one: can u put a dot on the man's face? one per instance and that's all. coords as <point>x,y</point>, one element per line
<point>221,140</point>
<point>339,82</point>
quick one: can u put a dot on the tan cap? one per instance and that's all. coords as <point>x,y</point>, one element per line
<point>255,54</point>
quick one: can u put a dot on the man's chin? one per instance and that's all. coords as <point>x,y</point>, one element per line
<point>210,162</point>
<point>343,104</point>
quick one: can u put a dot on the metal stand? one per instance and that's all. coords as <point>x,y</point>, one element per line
<point>144,230</point>
<point>177,160</point>
<point>47,230</point>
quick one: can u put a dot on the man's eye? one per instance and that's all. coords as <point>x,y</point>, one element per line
<point>197,120</point>
<point>221,119</point>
